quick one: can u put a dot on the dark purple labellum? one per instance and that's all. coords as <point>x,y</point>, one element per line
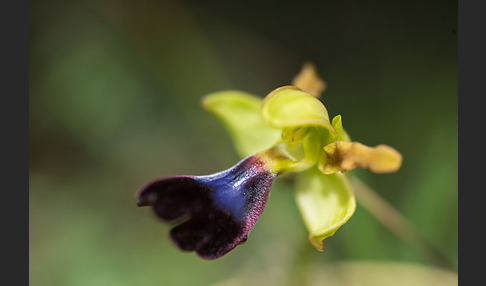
<point>214,213</point>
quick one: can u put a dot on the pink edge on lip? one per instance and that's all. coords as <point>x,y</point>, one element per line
<point>219,210</point>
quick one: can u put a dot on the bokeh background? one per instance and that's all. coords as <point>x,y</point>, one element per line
<point>115,90</point>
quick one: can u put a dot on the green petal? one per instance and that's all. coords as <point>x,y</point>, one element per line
<point>326,203</point>
<point>337,123</point>
<point>289,106</point>
<point>240,113</point>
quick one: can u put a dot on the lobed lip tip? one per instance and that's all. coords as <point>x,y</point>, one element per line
<point>141,202</point>
<point>216,212</point>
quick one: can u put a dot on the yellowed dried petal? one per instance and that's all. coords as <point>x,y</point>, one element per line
<point>344,156</point>
<point>309,81</point>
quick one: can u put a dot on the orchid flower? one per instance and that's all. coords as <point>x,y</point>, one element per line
<point>287,131</point>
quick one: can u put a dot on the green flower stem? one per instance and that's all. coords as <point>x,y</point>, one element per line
<point>397,224</point>
<point>304,256</point>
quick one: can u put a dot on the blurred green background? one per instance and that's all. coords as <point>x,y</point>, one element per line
<point>115,90</point>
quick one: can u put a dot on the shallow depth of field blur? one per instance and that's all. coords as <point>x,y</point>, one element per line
<point>115,90</point>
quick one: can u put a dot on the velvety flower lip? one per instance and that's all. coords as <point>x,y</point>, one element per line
<point>213,213</point>
<point>289,131</point>
<point>310,144</point>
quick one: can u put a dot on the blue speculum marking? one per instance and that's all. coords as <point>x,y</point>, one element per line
<point>227,194</point>
<point>218,210</point>
<point>235,189</point>
<point>229,198</point>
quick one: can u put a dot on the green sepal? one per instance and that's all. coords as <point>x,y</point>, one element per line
<point>326,202</point>
<point>240,114</point>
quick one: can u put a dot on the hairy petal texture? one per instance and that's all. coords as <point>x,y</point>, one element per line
<point>214,213</point>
